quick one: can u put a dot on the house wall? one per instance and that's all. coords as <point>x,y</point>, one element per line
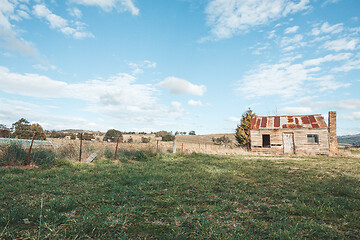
<point>300,141</point>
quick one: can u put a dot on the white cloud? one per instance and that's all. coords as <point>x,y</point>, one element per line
<point>227,18</point>
<point>181,86</point>
<point>138,67</point>
<point>118,96</point>
<point>291,29</point>
<point>176,104</point>
<point>10,38</point>
<point>289,44</point>
<point>108,5</point>
<point>327,58</point>
<point>348,66</point>
<point>137,71</point>
<point>75,12</point>
<point>57,22</point>
<point>350,104</point>
<point>149,64</point>
<point>341,44</point>
<point>326,28</point>
<point>285,79</point>
<point>43,67</point>
<point>355,116</point>
<point>195,103</point>
<point>296,110</point>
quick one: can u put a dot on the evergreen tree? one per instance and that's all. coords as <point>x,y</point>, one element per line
<point>21,129</point>
<point>242,133</point>
<point>113,135</point>
<point>39,132</point>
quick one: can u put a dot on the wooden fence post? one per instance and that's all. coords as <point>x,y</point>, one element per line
<point>80,147</point>
<point>117,144</point>
<point>32,141</point>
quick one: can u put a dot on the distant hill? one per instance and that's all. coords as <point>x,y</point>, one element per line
<point>349,140</point>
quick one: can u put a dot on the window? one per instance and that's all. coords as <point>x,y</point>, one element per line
<point>266,140</point>
<point>313,138</point>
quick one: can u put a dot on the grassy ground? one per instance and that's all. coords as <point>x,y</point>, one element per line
<point>175,197</point>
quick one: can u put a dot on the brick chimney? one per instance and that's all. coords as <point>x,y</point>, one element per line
<point>332,132</point>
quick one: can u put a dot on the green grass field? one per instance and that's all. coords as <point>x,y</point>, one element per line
<point>184,197</point>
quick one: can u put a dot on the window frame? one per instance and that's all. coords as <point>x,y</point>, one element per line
<point>315,138</point>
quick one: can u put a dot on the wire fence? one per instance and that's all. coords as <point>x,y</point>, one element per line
<point>18,151</point>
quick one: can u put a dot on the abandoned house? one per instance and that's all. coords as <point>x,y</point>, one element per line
<point>303,134</point>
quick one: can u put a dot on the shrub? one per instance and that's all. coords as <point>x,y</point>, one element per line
<point>221,140</point>
<point>145,139</point>
<point>130,140</point>
<point>44,157</point>
<point>168,138</point>
<point>108,154</point>
<point>67,151</point>
<point>124,155</point>
<point>13,154</point>
<point>62,162</point>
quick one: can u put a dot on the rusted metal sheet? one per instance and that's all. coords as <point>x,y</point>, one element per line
<point>263,122</point>
<point>305,120</point>
<point>312,118</point>
<point>258,123</point>
<point>253,123</point>
<point>277,122</point>
<point>288,122</point>
<point>321,122</point>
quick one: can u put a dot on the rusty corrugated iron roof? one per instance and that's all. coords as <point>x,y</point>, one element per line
<point>279,122</point>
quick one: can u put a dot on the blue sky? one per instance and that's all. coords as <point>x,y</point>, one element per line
<point>177,65</point>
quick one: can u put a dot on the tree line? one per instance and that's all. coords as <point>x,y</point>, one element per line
<point>22,129</point>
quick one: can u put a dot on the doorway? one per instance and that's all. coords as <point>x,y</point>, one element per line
<point>288,139</point>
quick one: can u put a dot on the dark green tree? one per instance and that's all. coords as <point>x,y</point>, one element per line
<point>22,129</point>
<point>242,133</point>
<point>39,131</point>
<point>162,133</point>
<point>192,133</point>
<point>168,138</point>
<point>4,131</point>
<point>112,135</point>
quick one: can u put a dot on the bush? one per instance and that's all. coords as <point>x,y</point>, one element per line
<point>130,140</point>
<point>124,155</point>
<point>62,162</point>
<point>168,138</point>
<point>145,139</point>
<point>67,151</point>
<point>221,140</point>
<point>44,157</point>
<point>13,154</point>
<point>108,154</point>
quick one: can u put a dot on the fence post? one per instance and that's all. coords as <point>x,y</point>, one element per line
<point>32,141</point>
<point>80,147</point>
<point>117,144</point>
<point>182,148</point>
<point>157,146</point>
<point>174,146</point>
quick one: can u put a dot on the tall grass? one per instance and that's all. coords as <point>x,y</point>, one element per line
<point>185,197</point>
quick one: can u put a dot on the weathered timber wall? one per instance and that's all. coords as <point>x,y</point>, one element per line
<point>302,147</point>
